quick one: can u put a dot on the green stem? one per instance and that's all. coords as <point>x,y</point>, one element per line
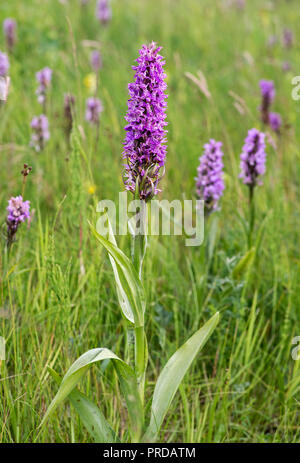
<point>252,215</point>
<point>138,251</point>
<point>139,240</point>
<point>140,360</point>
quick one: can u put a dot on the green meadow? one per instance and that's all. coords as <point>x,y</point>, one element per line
<point>58,296</point>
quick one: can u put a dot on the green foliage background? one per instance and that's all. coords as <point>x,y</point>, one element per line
<point>57,295</point>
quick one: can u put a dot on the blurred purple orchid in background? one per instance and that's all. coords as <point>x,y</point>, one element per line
<point>209,182</point>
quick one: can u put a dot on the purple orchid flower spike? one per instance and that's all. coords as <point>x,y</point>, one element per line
<point>40,129</point>
<point>17,212</point>
<point>253,167</point>
<point>145,141</point>
<point>43,77</point>
<point>288,38</point>
<point>103,12</point>
<point>275,122</point>
<point>209,182</point>
<point>96,60</point>
<point>4,64</point>
<point>93,110</point>
<point>268,94</point>
<point>253,158</point>
<point>69,111</point>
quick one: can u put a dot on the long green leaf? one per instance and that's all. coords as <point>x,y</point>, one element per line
<point>122,296</point>
<point>126,377</point>
<point>172,375</point>
<point>92,418</point>
<point>127,280</point>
